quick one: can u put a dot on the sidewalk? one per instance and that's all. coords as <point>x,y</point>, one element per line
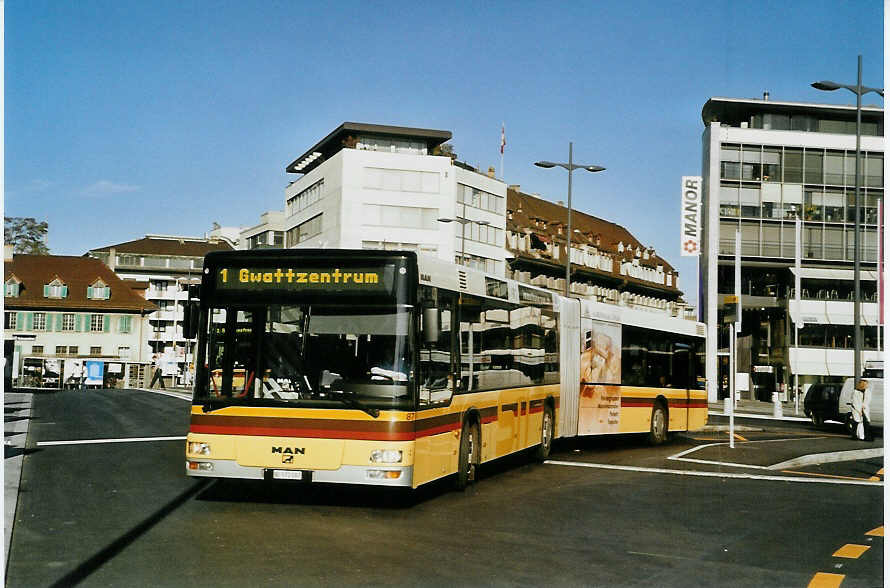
<point>17,415</point>
<point>759,410</point>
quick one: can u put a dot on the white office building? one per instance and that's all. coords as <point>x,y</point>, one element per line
<point>370,186</point>
<point>766,163</point>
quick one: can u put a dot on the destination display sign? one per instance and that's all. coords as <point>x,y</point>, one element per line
<point>316,280</point>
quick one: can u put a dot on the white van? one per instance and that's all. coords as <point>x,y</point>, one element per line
<point>876,406</point>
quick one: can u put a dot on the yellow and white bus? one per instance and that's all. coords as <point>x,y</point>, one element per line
<point>392,369</point>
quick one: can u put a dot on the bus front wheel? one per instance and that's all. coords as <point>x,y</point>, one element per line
<point>658,426</point>
<point>468,456</point>
<point>543,450</point>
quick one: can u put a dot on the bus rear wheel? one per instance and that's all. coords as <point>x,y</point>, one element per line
<point>543,450</point>
<point>658,426</point>
<point>468,457</point>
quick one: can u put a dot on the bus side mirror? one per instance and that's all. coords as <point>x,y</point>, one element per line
<point>430,325</point>
<point>190,320</point>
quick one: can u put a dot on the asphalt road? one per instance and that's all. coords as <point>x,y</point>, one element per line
<point>123,514</point>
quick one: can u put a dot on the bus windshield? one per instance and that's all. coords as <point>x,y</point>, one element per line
<point>309,355</point>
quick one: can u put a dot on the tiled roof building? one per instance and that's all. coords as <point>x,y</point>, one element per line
<point>60,311</point>
<point>167,263</point>
<point>608,262</point>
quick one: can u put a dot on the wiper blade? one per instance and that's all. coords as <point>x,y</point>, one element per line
<point>349,399</point>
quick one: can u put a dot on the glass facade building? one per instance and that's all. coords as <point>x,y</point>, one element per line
<point>765,165</point>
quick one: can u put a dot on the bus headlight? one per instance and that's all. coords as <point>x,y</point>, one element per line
<point>199,448</point>
<point>386,456</point>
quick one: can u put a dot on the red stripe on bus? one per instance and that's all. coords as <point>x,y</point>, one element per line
<point>321,433</point>
<point>305,433</point>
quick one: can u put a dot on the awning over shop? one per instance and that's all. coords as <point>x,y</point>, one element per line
<point>819,273</point>
<point>826,362</point>
<point>829,312</point>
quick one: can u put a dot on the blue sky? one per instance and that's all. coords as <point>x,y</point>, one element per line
<point>127,118</point>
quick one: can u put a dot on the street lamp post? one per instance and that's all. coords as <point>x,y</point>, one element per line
<point>859,90</point>
<point>464,221</point>
<point>570,166</point>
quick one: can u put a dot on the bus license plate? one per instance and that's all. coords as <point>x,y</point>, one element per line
<point>287,475</point>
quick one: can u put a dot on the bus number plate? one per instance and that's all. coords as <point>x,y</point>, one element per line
<point>287,475</point>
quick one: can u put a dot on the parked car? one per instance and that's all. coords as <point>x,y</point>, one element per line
<point>876,407</point>
<point>821,403</point>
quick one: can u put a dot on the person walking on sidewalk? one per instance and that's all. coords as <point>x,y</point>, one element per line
<point>158,372</point>
<point>861,402</point>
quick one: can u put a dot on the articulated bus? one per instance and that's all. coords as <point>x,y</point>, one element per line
<point>392,369</point>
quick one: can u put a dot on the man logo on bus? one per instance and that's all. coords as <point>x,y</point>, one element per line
<point>289,450</point>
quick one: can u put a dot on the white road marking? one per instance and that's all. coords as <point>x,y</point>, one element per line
<point>180,395</point>
<point>832,457</point>
<point>604,466</point>
<point>91,441</point>
<point>805,460</point>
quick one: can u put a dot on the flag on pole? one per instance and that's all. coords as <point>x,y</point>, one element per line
<point>503,139</point>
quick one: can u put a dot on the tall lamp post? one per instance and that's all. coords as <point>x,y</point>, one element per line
<point>463,229</point>
<point>859,90</point>
<point>570,166</point>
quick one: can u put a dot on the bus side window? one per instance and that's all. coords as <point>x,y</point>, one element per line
<point>681,365</point>
<point>437,359</point>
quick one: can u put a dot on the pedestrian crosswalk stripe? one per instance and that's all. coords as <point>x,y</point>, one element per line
<point>851,551</point>
<point>825,580</point>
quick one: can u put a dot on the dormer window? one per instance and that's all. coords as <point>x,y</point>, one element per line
<point>13,285</point>
<point>98,291</point>
<point>55,289</point>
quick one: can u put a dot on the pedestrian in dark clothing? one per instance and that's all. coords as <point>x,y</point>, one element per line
<point>158,373</point>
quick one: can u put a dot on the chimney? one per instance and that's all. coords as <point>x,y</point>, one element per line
<point>7,253</point>
<point>112,254</point>
<point>766,95</point>
<point>491,171</point>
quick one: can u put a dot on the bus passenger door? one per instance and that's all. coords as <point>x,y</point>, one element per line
<point>680,375</point>
<point>435,452</point>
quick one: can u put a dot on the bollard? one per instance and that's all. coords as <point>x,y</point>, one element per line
<point>727,405</point>
<point>777,406</point>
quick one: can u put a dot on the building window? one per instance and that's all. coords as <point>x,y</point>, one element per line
<point>61,349</point>
<point>129,260</point>
<point>477,198</point>
<point>304,199</point>
<point>68,322</point>
<point>401,180</point>
<point>97,323</point>
<point>123,352</point>
<point>96,350</point>
<point>39,321</point>
<point>98,291</point>
<point>10,322</point>
<point>399,216</point>
<point>12,287</point>
<point>124,325</point>
<point>72,350</point>
<point>389,145</point>
<point>55,289</point>
<point>304,231</point>
<point>37,349</point>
